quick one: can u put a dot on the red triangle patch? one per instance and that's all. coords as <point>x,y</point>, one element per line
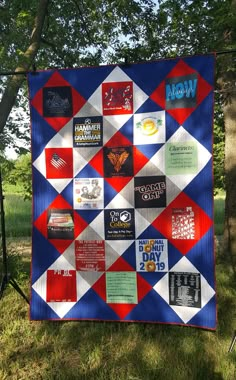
<point>118,183</point>
<point>120,265</point>
<point>97,162</point>
<point>140,160</point>
<point>180,69</point>
<point>118,140</point>
<point>143,287</point>
<point>100,287</point>
<point>121,309</point>
<point>181,114</point>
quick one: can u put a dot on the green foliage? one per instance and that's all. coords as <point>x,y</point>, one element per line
<point>218,146</point>
<point>89,33</point>
<point>20,175</point>
<point>219,212</point>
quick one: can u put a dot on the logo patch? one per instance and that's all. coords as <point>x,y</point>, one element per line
<point>150,191</point>
<point>57,102</point>
<point>118,162</point>
<point>119,224</point>
<point>117,98</point>
<point>181,92</point>
<point>87,131</point>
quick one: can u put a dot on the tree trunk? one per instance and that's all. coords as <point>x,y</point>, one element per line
<point>230,176</point>
<point>15,82</point>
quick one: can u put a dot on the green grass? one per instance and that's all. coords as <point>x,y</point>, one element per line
<point>108,351</point>
<point>17,215</point>
<point>111,351</point>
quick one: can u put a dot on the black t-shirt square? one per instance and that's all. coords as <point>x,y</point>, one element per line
<point>185,289</point>
<point>119,224</point>
<point>181,92</point>
<point>118,161</point>
<point>57,102</point>
<point>150,192</point>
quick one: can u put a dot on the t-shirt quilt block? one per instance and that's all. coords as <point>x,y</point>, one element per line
<point>123,193</point>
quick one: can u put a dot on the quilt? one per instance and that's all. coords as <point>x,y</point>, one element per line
<point>122,225</point>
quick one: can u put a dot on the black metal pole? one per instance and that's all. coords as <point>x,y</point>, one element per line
<point>6,277</point>
<point>232,342</point>
<point>3,237</point>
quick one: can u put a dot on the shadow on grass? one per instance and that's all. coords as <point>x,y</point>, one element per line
<point>125,351</point>
<point>132,351</point>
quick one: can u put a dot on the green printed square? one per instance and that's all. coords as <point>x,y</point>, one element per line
<point>181,158</point>
<point>121,287</point>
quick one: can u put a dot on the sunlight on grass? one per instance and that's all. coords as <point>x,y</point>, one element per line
<point>17,216</point>
<point>108,351</point>
<point>112,351</point>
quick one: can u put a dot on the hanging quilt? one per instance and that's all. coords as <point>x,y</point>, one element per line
<point>123,193</point>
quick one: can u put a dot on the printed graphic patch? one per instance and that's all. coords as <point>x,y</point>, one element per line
<point>119,224</point>
<point>117,98</point>
<point>118,162</point>
<point>57,102</point>
<point>87,131</point>
<point>60,224</point>
<point>181,158</point>
<point>151,255</point>
<point>121,287</point>
<point>183,222</point>
<point>181,92</point>
<point>88,193</point>
<point>185,289</point>
<point>61,286</point>
<point>150,191</point>
<point>149,128</point>
<point>59,163</point>
<point>90,255</point>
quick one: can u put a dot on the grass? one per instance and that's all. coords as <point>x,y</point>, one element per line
<point>17,216</point>
<point>110,351</point>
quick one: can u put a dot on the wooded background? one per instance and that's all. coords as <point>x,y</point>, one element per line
<point>46,34</point>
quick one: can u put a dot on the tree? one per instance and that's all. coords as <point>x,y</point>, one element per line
<point>204,26</point>
<point>64,34</point>
<point>19,172</point>
<point>75,33</point>
<point>23,59</point>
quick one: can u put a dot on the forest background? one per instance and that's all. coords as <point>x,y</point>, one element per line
<point>42,34</point>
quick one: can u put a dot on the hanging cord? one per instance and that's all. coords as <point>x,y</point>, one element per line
<point>7,73</point>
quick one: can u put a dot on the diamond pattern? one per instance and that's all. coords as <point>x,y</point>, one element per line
<point>184,74</point>
<point>127,198</point>
<point>162,288</point>
<point>55,81</point>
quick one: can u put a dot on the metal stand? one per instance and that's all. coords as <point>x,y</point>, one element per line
<point>232,342</point>
<point>6,276</point>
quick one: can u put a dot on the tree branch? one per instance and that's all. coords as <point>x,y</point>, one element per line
<point>15,82</point>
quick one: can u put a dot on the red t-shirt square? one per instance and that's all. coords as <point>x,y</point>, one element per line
<point>59,162</point>
<point>61,286</point>
<point>117,98</point>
